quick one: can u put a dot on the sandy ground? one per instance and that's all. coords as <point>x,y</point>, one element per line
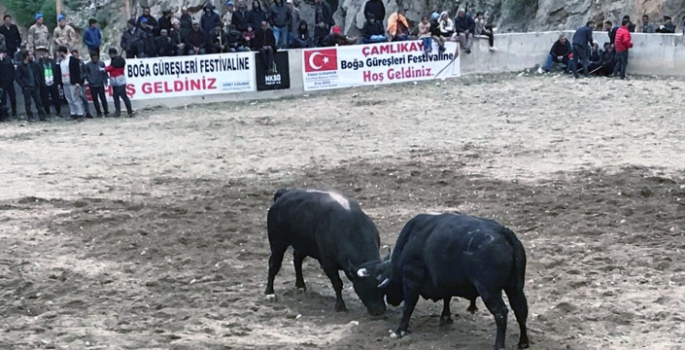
<point>149,233</point>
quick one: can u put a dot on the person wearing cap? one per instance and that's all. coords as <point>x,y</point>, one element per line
<point>323,21</point>
<point>295,19</point>
<point>133,40</point>
<point>337,38</point>
<point>279,19</point>
<point>151,21</point>
<point>7,74</point>
<point>241,17</point>
<point>265,42</point>
<point>39,35</point>
<point>12,35</point>
<point>209,19</point>
<point>398,27</point>
<point>148,37</point>
<point>28,77</point>
<point>117,79</point>
<point>164,22</point>
<point>197,40</point>
<point>64,34</point>
<point>186,19</point>
<point>227,18</point>
<point>92,37</point>
<point>50,82</point>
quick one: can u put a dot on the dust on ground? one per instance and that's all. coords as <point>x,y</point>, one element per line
<point>149,233</point>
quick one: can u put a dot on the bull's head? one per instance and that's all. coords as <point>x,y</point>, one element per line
<point>366,285</point>
<point>386,283</point>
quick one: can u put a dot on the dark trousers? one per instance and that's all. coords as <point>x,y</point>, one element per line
<point>119,92</point>
<point>50,92</point>
<point>621,63</point>
<point>267,53</point>
<point>8,90</point>
<point>491,37</point>
<point>34,93</point>
<point>97,94</point>
<point>579,57</point>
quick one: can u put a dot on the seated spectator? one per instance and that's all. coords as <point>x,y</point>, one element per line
<point>133,40</point>
<point>425,35</point>
<point>265,43</point>
<point>668,27</point>
<point>446,25</point>
<point>607,61</point>
<point>464,27</point>
<point>151,22</point>
<point>560,52</point>
<point>595,57</point>
<point>303,39</point>
<point>178,38</point>
<point>485,30</point>
<point>435,32</point>
<point>323,23</point>
<point>235,41</point>
<point>398,27</point>
<point>337,38</point>
<point>165,45</point>
<point>240,17</point>
<point>257,15</point>
<point>372,31</point>
<point>197,40</point>
<point>248,36</point>
<point>647,26</point>
<point>218,42</point>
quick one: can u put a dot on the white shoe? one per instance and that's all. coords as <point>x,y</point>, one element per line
<point>540,71</point>
<point>492,48</point>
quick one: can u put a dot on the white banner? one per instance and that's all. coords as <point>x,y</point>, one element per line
<point>182,76</point>
<point>383,63</point>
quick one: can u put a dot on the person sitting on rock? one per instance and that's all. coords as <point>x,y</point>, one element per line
<point>234,40</point>
<point>594,57</point>
<point>607,60</point>
<point>398,27</point>
<point>435,32</point>
<point>218,40</point>
<point>302,38</point>
<point>560,53</point>
<point>464,27</point>
<point>446,25</point>
<point>372,31</point>
<point>484,29</point>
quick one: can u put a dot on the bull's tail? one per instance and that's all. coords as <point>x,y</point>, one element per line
<point>518,275</point>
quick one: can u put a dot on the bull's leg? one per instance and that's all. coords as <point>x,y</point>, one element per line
<point>278,249</point>
<point>494,302</point>
<point>446,316</point>
<point>334,276</point>
<point>298,258</point>
<point>412,280</point>
<point>518,302</point>
<point>472,306</point>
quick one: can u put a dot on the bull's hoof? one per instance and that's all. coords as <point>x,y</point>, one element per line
<point>340,308</point>
<point>523,346</point>
<point>395,335</point>
<point>300,290</point>
<point>271,297</point>
<point>444,321</point>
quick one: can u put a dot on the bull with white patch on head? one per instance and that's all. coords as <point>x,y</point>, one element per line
<point>335,231</point>
<point>438,256</point>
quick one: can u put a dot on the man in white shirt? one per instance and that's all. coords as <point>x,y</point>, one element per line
<point>71,76</point>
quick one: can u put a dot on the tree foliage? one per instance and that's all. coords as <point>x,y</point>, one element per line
<point>24,11</point>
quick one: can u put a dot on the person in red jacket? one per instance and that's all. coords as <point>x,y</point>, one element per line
<point>622,44</point>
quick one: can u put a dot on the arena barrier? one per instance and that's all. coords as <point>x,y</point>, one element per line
<point>238,77</point>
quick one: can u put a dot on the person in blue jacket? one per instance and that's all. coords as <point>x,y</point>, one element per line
<point>92,36</point>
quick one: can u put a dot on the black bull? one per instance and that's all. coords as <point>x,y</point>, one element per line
<point>444,255</point>
<point>333,230</point>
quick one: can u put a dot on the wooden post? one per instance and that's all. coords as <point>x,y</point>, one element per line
<point>58,6</point>
<point>128,10</point>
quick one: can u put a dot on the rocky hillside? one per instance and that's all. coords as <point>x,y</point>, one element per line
<point>507,15</point>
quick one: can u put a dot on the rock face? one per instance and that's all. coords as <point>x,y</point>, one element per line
<point>506,15</point>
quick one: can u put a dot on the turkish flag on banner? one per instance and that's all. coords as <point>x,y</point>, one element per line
<point>320,60</point>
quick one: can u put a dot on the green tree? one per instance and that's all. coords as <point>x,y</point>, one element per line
<point>24,11</point>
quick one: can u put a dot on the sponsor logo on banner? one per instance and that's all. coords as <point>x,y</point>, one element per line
<point>183,76</point>
<point>383,63</point>
<point>279,78</point>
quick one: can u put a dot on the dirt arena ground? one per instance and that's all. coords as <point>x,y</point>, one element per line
<point>149,233</point>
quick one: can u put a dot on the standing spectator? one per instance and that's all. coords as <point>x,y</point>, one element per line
<point>3,44</point>
<point>622,44</point>
<point>148,35</point>
<point>12,35</point>
<point>611,31</point>
<point>81,82</point>
<point>133,40</point>
<point>372,31</point>
<point>280,17</point>
<point>209,19</point>
<point>51,79</point>
<point>164,22</point>
<point>97,80</point>
<point>7,75</point>
<point>178,38</point>
<point>398,27</point>
<point>241,18</point>
<point>425,35</point>
<point>235,41</point>
<point>71,76</point>
<point>486,30</point>
<point>92,37</point>
<point>265,43</point>
<point>559,53</point>
<point>323,19</point>
<point>151,21</point>
<point>186,19</point>
<point>257,15</point>
<point>218,42</point>
<point>294,22</point>
<point>668,27</point>
<point>64,34</point>
<point>582,39</point>
<point>39,35</point>
<point>227,18</point>
<point>302,39</point>
<point>376,8</point>
<point>464,27</point>
<point>164,44</point>
<point>197,40</point>
<point>647,26</point>
<point>117,78</point>
<point>19,55</point>
<point>28,79</point>
<point>631,25</point>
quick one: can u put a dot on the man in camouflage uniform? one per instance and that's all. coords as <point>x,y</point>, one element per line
<point>64,34</point>
<point>39,35</point>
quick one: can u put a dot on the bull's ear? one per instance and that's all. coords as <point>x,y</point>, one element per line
<point>363,272</point>
<point>384,283</point>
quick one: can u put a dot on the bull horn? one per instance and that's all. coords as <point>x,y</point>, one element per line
<point>363,272</point>
<point>384,283</point>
